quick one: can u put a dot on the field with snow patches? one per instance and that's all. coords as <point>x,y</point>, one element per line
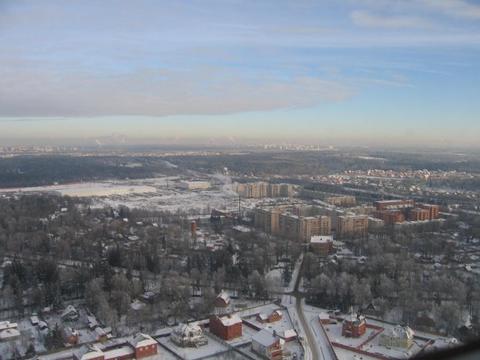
<point>154,194</point>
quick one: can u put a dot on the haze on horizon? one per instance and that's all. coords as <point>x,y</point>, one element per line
<point>353,71</point>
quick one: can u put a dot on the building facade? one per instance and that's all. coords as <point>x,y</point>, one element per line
<point>226,327</point>
<point>352,225</point>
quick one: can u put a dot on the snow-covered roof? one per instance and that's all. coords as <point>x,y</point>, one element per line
<point>323,316</point>
<point>88,352</point>
<point>289,333</point>
<point>242,228</point>
<point>141,340</point>
<point>68,310</point>
<point>321,239</point>
<point>354,318</point>
<point>42,324</point>
<point>224,296</point>
<point>400,332</point>
<point>7,325</point>
<point>100,332</point>
<point>121,352</point>
<point>92,321</point>
<point>263,316</point>
<point>185,330</point>
<point>265,338</point>
<point>9,333</point>
<point>229,320</point>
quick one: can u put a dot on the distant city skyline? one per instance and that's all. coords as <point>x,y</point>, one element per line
<point>361,72</point>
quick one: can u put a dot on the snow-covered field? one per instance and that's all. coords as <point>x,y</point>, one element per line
<point>158,193</point>
<point>86,189</point>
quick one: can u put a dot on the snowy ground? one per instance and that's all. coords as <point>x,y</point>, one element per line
<point>29,334</point>
<point>158,193</point>
<point>334,333</point>
<point>212,348</point>
<point>87,189</point>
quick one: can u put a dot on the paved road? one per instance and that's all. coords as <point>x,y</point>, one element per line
<point>309,339</point>
<point>315,343</point>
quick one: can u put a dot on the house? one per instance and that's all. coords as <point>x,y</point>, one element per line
<point>42,325</point>
<point>262,317</point>
<point>34,320</point>
<point>89,352</point>
<point>148,297</point>
<point>268,345</point>
<point>288,335</point>
<point>322,244</point>
<point>354,326</point>
<point>144,346</point>
<point>188,335</point>
<point>9,334</point>
<point>6,325</point>
<point>222,300</point>
<point>8,331</point>
<point>324,318</point>
<point>92,322</point>
<point>226,327</point>
<point>70,313</point>
<point>398,336</point>
<point>71,336</point>
<point>371,310</point>
<point>100,334</point>
<point>276,315</point>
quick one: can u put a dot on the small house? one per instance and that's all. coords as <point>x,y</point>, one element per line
<point>70,313</point>
<point>144,346</point>
<point>222,300</point>
<point>268,345</point>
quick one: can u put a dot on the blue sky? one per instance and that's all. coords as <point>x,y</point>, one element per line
<point>357,71</point>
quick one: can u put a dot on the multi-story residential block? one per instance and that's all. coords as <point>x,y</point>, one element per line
<point>352,225</point>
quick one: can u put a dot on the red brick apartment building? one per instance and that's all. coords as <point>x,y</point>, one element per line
<point>397,211</point>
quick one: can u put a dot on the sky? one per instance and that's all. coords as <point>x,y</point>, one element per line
<point>347,71</point>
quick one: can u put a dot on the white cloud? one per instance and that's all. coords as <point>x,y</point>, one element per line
<point>157,93</point>
<point>367,19</point>
<point>458,8</point>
